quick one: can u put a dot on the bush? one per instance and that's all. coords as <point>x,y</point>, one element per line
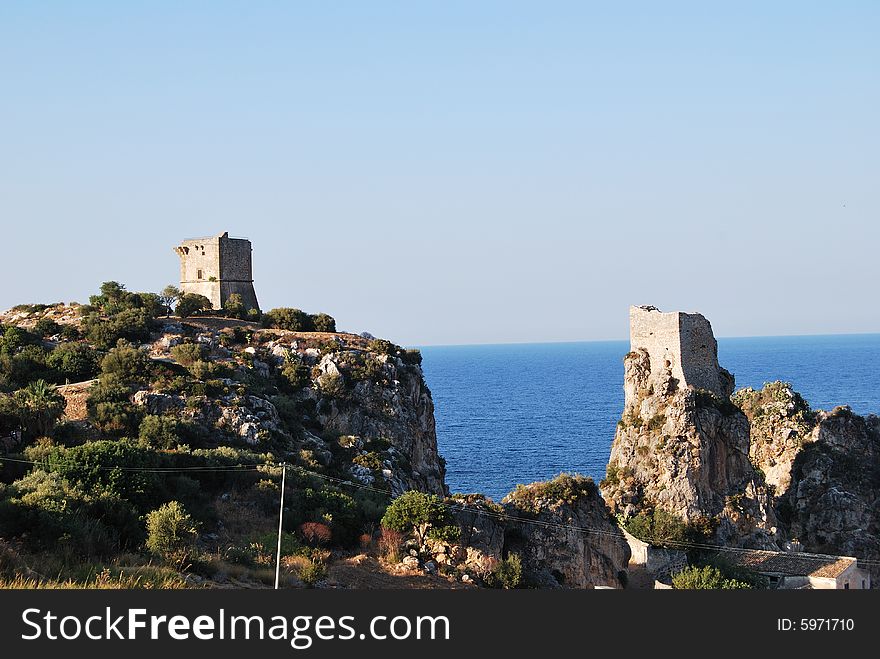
<point>663,529</point>
<point>564,489</point>
<point>46,327</point>
<point>51,514</point>
<point>286,318</point>
<point>126,363</point>
<point>707,577</point>
<point>420,514</point>
<point>186,354</point>
<point>118,314</point>
<point>111,466</point>
<point>323,323</point>
<point>110,409</point>
<point>234,307</point>
<point>159,432</point>
<point>382,347</point>
<point>74,362</point>
<point>315,534</point>
<point>171,532</point>
<point>390,542</point>
<point>507,573</point>
<point>191,304</point>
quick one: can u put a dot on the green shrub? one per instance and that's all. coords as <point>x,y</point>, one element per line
<point>234,307</point>
<point>286,318</point>
<point>382,347</point>
<point>46,327</point>
<point>417,513</point>
<point>160,432</point>
<point>663,529</point>
<point>126,363</point>
<point>191,304</point>
<point>50,514</point>
<point>323,323</point>
<point>118,314</point>
<point>296,375</point>
<point>75,362</point>
<point>707,577</point>
<point>564,489</point>
<point>507,574</point>
<point>332,386</point>
<point>171,532</point>
<point>186,354</point>
<point>412,356</point>
<point>111,466</point>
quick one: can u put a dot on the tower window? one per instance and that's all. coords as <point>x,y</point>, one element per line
<point>198,274</point>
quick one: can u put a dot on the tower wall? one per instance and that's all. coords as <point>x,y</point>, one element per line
<point>217,267</point>
<point>683,343</point>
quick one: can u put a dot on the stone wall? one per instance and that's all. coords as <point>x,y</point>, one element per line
<point>684,344</point>
<point>225,260</point>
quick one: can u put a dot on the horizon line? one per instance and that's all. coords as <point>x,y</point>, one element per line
<point>626,340</point>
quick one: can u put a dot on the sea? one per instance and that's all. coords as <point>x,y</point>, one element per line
<point>517,413</point>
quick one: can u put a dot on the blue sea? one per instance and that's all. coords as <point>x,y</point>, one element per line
<point>509,414</point>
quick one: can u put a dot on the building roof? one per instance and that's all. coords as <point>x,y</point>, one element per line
<point>788,563</point>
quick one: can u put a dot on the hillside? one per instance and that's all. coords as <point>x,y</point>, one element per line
<point>141,449</point>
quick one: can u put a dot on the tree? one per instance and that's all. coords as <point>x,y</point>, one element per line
<point>168,297</point>
<point>127,363</point>
<point>46,327</point>
<point>39,406</point>
<point>171,532</point>
<point>286,318</point>
<point>159,432</point>
<point>234,307</point>
<point>420,514</point>
<point>193,303</point>
<point>74,361</point>
<point>324,323</point>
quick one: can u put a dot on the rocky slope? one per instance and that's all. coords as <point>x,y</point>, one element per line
<point>686,451</point>
<point>361,403</point>
<point>824,468</point>
<point>561,530</point>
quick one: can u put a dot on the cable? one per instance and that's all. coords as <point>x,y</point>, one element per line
<point>144,469</point>
<point>501,516</point>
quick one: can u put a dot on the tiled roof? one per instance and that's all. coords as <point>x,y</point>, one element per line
<point>788,563</point>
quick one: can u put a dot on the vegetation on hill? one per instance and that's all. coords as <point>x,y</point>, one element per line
<point>173,463</point>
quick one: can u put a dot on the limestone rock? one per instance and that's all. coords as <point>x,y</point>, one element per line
<point>826,470</point>
<point>565,535</point>
<point>682,449</point>
<point>156,403</point>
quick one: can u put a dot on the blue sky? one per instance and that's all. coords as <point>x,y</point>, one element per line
<point>454,172</point>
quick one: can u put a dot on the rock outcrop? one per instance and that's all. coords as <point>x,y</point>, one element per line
<point>561,529</point>
<point>566,535</point>
<point>361,407</point>
<point>686,451</point>
<point>825,469</point>
<point>396,407</point>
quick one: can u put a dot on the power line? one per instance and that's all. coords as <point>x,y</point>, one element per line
<point>501,516</point>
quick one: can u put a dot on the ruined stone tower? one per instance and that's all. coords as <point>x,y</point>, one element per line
<point>217,267</point>
<point>684,344</point>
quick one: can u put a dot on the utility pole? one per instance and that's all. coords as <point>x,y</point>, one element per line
<point>280,523</point>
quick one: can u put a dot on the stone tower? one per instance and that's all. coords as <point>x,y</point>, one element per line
<point>681,343</point>
<point>217,267</point>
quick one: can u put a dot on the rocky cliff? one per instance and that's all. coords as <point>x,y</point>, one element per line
<point>356,404</point>
<point>824,468</point>
<point>686,451</point>
<point>561,530</point>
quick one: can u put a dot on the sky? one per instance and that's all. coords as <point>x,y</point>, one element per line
<point>454,172</point>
